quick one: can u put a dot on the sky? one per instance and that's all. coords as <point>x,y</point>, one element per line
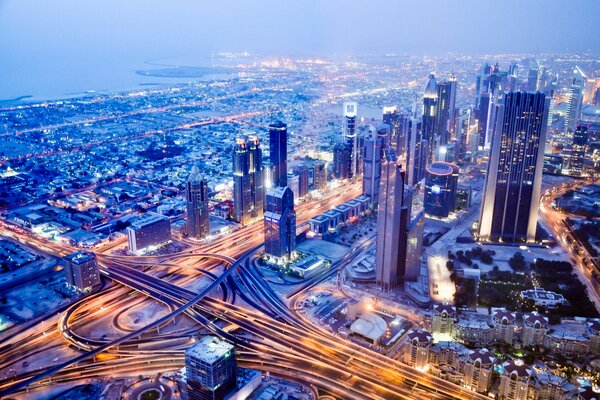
<point>72,36</point>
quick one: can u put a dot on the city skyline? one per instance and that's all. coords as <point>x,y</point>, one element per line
<point>356,223</point>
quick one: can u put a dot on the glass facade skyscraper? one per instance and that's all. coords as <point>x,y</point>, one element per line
<point>278,152</point>
<point>514,176</point>
<point>248,181</point>
<point>196,196</point>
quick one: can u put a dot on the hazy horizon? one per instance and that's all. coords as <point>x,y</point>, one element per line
<point>70,46</point>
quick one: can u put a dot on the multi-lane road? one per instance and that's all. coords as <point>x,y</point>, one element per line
<point>555,220</point>
<point>268,335</point>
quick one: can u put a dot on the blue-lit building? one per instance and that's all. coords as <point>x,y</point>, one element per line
<point>211,369</point>
<point>196,196</point>
<point>511,195</point>
<point>440,189</point>
<point>351,138</point>
<point>82,270</point>
<point>429,121</point>
<point>278,152</point>
<point>280,225</point>
<point>374,145</point>
<point>342,160</point>
<point>248,180</point>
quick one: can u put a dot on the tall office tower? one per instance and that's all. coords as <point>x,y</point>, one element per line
<point>267,176</point>
<point>445,113</point>
<point>393,119</point>
<point>248,181</point>
<point>533,77</point>
<point>481,82</point>
<point>416,154</point>
<point>320,175</point>
<point>82,270</point>
<point>374,147</point>
<point>350,136</point>
<point>280,224</point>
<point>278,152</point>
<point>302,173</point>
<point>393,217</point>
<point>574,155</point>
<point>482,118</point>
<point>589,90</point>
<point>575,99</point>
<point>429,122</point>
<point>294,185</point>
<point>211,369</point>
<point>341,161</point>
<point>196,195</point>
<point>514,175</point>
<point>440,189</point>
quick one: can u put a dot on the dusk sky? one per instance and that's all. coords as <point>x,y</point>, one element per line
<point>148,28</point>
<point>65,46</point>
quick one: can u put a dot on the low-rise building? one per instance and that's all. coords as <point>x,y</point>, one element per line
<point>478,370</point>
<point>535,327</point>
<point>567,343</point>
<point>416,348</point>
<point>474,333</point>
<point>443,318</point>
<point>517,381</point>
<point>593,334</point>
<point>81,269</point>
<point>504,325</point>
<point>553,387</point>
<point>543,298</point>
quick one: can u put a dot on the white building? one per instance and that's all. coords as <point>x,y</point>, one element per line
<point>478,370</point>
<point>534,330</point>
<point>148,230</point>
<point>416,348</point>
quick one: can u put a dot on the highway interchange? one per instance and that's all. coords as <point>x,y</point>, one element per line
<point>237,305</point>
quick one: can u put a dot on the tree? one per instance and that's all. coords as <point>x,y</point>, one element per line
<point>486,258</point>
<point>517,261</point>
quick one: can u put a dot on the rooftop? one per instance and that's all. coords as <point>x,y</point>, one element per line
<point>210,349</point>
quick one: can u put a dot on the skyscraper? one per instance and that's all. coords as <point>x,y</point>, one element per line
<point>429,129</point>
<point>342,161</point>
<point>374,147</point>
<point>320,175</point>
<point>280,224</point>
<point>196,195</point>
<point>393,217</point>
<point>575,99</point>
<point>532,78</point>
<point>440,189</point>
<point>482,114</point>
<point>211,369</point>
<point>350,136</point>
<point>302,172</point>
<point>445,114</point>
<point>248,182</point>
<point>278,152</point>
<point>513,182</point>
<point>400,126</point>
<point>574,155</point>
<point>416,153</point>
